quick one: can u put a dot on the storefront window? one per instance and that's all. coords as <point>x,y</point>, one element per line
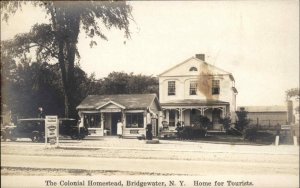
<point>135,120</point>
<point>92,120</point>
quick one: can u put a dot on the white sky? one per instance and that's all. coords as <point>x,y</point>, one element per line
<point>257,41</point>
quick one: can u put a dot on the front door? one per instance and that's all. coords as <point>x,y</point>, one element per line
<point>114,120</point>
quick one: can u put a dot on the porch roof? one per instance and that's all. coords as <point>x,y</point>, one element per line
<point>273,108</point>
<point>194,102</point>
<point>129,101</point>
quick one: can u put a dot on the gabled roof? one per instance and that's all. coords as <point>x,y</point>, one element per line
<point>128,101</point>
<point>234,90</point>
<point>264,108</point>
<point>200,61</point>
<point>111,102</point>
<point>176,66</point>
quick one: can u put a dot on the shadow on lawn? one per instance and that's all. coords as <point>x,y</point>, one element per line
<point>261,138</point>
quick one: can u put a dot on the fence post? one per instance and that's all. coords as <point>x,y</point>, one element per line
<point>295,140</point>
<point>276,140</point>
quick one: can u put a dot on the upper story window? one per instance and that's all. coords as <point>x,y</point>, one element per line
<point>171,88</point>
<point>215,87</point>
<point>193,69</point>
<point>193,88</point>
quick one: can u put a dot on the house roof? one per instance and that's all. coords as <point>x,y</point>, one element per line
<point>129,101</point>
<point>194,102</point>
<point>264,108</point>
<point>234,90</point>
<point>200,61</point>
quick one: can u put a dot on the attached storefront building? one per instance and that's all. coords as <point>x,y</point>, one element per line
<point>101,113</point>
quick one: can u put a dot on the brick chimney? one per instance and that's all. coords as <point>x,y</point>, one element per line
<point>201,56</point>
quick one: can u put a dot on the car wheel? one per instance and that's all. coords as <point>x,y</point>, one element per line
<point>4,137</point>
<point>13,138</point>
<point>82,137</point>
<point>35,137</point>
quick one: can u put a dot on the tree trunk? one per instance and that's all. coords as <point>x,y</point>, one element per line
<point>71,42</point>
<point>67,28</point>
<point>57,17</point>
<point>64,76</point>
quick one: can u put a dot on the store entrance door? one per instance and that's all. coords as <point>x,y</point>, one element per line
<point>114,120</point>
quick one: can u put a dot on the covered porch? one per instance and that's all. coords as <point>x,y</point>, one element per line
<point>189,112</point>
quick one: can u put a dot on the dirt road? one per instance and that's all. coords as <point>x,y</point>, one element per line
<point>113,157</point>
<point>157,166</point>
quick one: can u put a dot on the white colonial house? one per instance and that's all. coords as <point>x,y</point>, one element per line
<point>193,88</point>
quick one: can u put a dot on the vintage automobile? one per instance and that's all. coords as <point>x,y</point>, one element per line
<point>69,127</point>
<point>6,130</point>
<point>34,128</point>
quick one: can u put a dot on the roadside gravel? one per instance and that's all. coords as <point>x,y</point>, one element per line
<point>136,149</point>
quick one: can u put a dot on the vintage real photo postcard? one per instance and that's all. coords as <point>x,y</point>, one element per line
<point>150,94</point>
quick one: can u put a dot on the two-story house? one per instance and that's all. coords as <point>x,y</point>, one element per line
<point>193,88</point>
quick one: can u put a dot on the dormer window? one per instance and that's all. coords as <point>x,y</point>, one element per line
<point>193,69</point>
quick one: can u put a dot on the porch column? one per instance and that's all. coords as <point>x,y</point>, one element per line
<point>167,115</point>
<point>202,111</point>
<point>176,116</point>
<point>224,113</point>
<point>180,111</point>
<point>123,116</point>
<point>102,120</point>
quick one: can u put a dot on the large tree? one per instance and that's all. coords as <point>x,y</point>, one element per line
<point>58,39</point>
<point>292,93</point>
<point>123,83</point>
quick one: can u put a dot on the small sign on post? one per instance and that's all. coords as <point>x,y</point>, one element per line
<point>285,127</point>
<point>51,130</point>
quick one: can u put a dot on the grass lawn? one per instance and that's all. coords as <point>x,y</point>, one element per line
<point>262,138</point>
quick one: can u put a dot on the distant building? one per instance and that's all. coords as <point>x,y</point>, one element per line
<point>293,110</point>
<point>193,88</point>
<point>266,115</point>
<point>100,114</point>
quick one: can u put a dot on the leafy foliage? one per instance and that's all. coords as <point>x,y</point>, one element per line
<point>292,92</point>
<point>57,41</point>
<point>250,133</point>
<point>225,122</point>
<point>123,83</point>
<point>201,121</point>
<point>191,133</point>
<point>28,86</point>
<point>242,121</point>
<point>204,121</point>
<point>34,86</point>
